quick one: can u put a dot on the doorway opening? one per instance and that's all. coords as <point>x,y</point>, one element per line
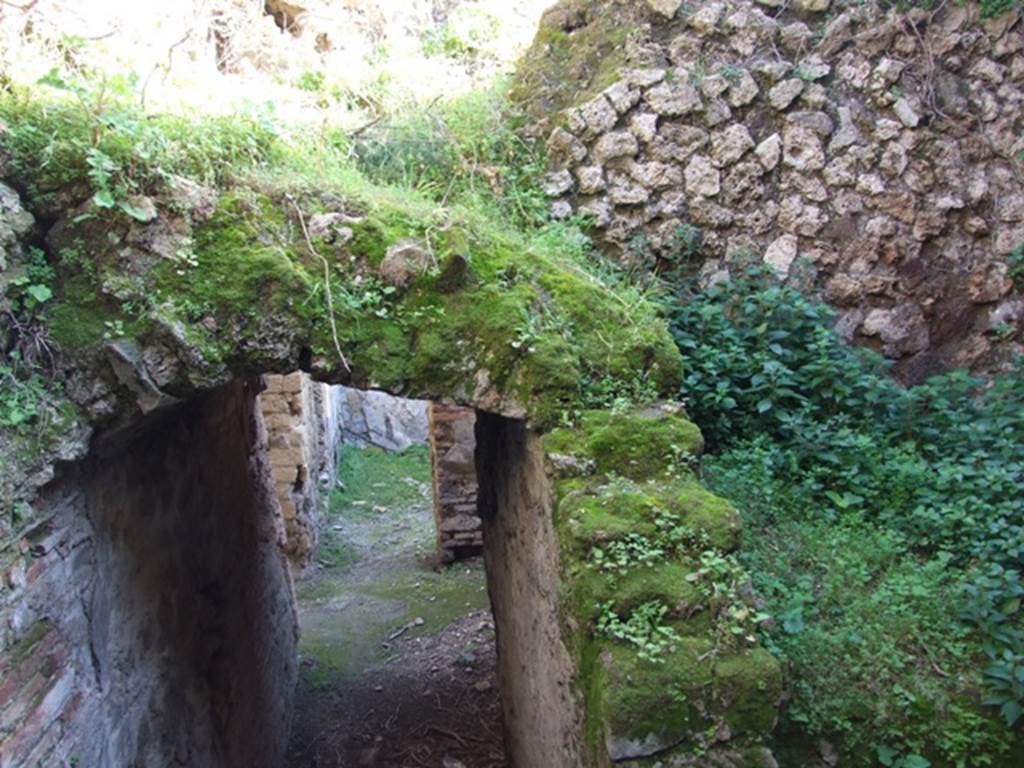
<point>397,661</point>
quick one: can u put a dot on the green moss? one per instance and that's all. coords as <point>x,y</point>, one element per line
<point>244,264</point>
<point>578,37</point>
<point>664,700</point>
<point>665,582</point>
<point>747,689</point>
<point>637,445</point>
<point>79,318</point>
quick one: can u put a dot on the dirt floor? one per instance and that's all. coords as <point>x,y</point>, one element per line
<point>397,656</point>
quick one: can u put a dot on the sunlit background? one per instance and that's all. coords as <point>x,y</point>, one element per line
<point>340,61</point>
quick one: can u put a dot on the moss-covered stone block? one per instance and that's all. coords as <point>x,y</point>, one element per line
<point>639,445</point>
<point>649,708</point>
<point>747,689</point>
<point>635,528</point>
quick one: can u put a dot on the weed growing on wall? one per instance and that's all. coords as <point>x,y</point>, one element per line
<point>883,526</point>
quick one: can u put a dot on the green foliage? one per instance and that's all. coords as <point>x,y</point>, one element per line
<point>990,8</point>
<point>368,479</point>
<point>644,628</point>
<point>93,133</point>
<point>1015,261</point>
<point>463,150</point>
<point>884,527</point>
<point>22,398</point>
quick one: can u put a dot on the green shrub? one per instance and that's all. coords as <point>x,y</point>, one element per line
<point>884,527</point>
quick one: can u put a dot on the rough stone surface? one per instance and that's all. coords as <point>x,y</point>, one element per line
<point>891,155</point>
<point>150,617</point>
<point>369,418</point>
<point>543,717</point>
<point>452,451</point>
<point>303,420</point>
<point>702,178</point>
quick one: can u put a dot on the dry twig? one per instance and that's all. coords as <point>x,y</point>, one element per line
<point>327,284</point>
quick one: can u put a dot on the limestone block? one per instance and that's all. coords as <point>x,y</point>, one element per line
<point>622,97</point>
<point>802,149</point>
<point>769,152</point>
<point>644,125</point>
<point>590,179</point>
<point>673,99</point>
<point>702,178</point>
<point>905,112</point>
<point>557,183</point>
<point>812,6</point>
<point>742,90</point>
<point>565,148</point>
<point>784,93</point>
<point>616,144</point>
<point>730,145</point>
<point>666,8</point>
<point>655,175</point>
<point>597,116</point>
<point>781,254</point>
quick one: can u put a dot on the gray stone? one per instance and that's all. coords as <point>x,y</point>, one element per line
<point>781,254</point>
<point>802,149</point>
<point>596,116</point>
<point>598,210</point>
<point>557,183</point>
<point>785,93</point>
<point>795,36</point>
<point>644,78</point>
<point>622,97</point>
<point>622,193</point>
<point>666,8</point>
<point>561,210</point>
<point>730,145</point>
<point>769,152</point>
<point>673,99</point>
<point>702,178</point>
<point>377,419</point>
<point>742,89</point>
<point>902,329</point>
<point>811,6</point>
<point>716,112</point>
<point>818,122</point>
<point>616,144</point>
<point>655,175</point>
<point>714,85</point>
<point>404,262</point>
<point>1010,208</point>
<point>706,18</point>
<point>813,68</point>
<point>905,112</point>
<point>886,129</point>
<point>644,125</point>
<point>565,148</point>
<point>590,179</point>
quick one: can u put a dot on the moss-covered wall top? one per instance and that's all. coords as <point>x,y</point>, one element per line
<point>150,298</point>
<point>669,662</point>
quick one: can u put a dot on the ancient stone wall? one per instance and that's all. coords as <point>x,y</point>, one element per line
<point>147,617</point>
<point>539,697</point>
<point>303,421</point>
<point>874,156</point>
<point>452,451</point>
<point>370,418</point>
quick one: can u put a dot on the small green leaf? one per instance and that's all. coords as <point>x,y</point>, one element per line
<point>103,198</point>
<point>40,293</point>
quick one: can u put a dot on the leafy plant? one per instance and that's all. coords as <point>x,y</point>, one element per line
<point>884,527</point>
<point>644,629</point>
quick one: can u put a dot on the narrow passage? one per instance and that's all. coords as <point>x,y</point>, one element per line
<point>397,653</point>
